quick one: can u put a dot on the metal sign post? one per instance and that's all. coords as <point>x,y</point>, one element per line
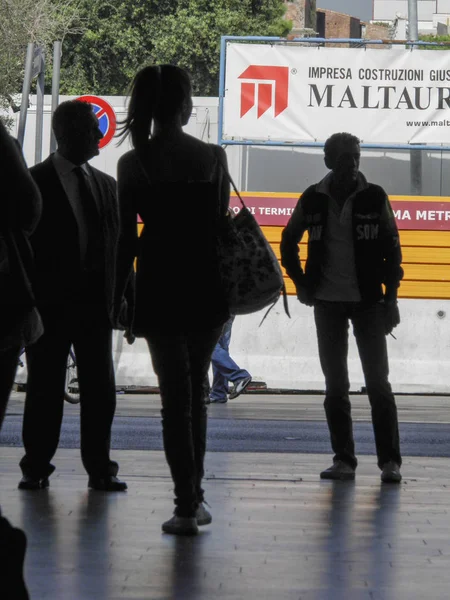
<point>415,155</point>
<point>34,67</point>
<point>39,71</point>
<point>25,92</point>
<point>55,88</point>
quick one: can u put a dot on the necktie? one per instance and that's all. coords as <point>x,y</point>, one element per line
<point>88,225</point>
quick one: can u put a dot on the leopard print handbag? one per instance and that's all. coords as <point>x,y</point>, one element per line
<point>251,274</point>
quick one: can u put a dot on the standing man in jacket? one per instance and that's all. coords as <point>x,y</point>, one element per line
<point>352,273</point>
<point>75,257</point>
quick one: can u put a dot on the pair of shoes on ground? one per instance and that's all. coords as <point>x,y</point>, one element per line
<point>390,472</point>
<point>188,525</point>
<point>110,483</point>
<point>340,470</point>
<point>33,483</point>
<point>103,484</point>
<point>216,401</point>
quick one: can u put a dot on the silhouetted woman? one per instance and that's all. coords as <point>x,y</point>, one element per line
<point>20,323</point>
<point>175,183</point>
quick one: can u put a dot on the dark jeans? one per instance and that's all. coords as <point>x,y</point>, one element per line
<point>87,328</point>
<point>181,362</point>
<point>223,366</point>
<point>332,322</point>
<point>8,367</point>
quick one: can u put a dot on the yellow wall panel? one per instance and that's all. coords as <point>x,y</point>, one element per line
<point>408,289</point>
<point>424,256</point>
<point>426,262</point>
<point>411,254</point>
<point>426,273</point>
<point>418,289</point>
<point>424,238</point>
<point>407,237</point>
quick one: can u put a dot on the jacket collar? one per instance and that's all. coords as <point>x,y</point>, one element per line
<point>324,185</point>
<point>65,166</point>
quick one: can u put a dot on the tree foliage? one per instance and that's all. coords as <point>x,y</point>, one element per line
<point>25,21</point>
<point>443,40</point>
<point>122,36</point>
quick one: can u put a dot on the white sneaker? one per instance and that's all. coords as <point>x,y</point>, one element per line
<point>239,387</point>
<point>180,526</point>
<point>339,470</point>
<point>202,515</point>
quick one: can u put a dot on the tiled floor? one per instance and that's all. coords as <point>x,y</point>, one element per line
<point>279,533</point>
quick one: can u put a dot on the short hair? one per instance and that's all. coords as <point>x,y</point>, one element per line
<point>67,116</point>
<point>336,141</point>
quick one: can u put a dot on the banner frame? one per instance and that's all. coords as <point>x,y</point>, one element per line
<point>317,41</point>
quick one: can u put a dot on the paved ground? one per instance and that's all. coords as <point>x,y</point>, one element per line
<point>248,435</point>
<point>278,532</point>
<point>308,407</point>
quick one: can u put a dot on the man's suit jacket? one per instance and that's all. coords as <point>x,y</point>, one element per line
<point>55,240</point>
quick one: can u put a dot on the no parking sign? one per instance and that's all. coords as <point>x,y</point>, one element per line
<point>105,115</point>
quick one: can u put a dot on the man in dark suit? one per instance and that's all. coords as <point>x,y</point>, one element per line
<point>75,252</point>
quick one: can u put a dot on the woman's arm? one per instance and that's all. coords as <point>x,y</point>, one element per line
<point>128,235</point>
<point>21,203</point>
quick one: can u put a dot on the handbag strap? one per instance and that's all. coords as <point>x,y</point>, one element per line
<point>230,179</point>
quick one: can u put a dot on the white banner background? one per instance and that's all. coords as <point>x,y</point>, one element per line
<point>382,96</point>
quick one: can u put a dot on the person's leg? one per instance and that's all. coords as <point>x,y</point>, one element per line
<point>219,388</point>
<point>332,335</point>
<point>170,359</point>
<point>200,346</point>
<point>9,359</point>
<point>44,399</point>
<point>368,326</point>
<point>96,379</point>
<point>224,367</point>
<point>206,388</point>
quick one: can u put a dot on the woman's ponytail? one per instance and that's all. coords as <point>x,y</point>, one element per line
<point>144,99</point>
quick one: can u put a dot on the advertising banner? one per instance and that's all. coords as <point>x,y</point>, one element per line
<point>288,93</point>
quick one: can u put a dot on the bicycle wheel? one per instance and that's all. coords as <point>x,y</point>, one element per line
<point>71,390</point>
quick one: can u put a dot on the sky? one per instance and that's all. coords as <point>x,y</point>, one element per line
<point>355,8</point>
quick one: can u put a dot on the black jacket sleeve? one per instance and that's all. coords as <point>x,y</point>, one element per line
<point>392,252</point>
<point>289,248</point>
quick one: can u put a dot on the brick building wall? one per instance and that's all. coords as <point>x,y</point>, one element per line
<point>332,24</point>
<point>376,32</point>
<point>302,13</point>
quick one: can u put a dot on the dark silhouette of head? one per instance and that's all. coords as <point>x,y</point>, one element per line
<point>76,131</point>
<point>160,97</point>
<point>342,156</point>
